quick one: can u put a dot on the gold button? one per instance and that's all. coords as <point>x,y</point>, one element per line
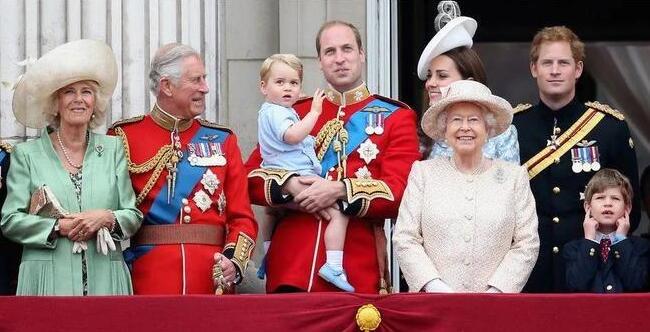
<point>187,219</point>
<point>556,250</point>
<point>556,220</point>
<point>609,287</point>
<point>557,130</point>
<point>556,190</point>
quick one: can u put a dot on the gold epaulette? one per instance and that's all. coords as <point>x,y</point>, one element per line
<point>605,109</point>
<point>125,121</point>
<point>6,146</point>
<point>521,107</point>
<point>209,124</point>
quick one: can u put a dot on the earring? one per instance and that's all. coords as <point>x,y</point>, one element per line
<point>92,116</point>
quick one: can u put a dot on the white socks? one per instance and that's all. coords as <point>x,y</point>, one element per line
<point>335,258</point>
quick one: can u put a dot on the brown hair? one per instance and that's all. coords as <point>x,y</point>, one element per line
<point>609,178</point>
<point>288,59</point>
<point>557,34</point>
<point>328,24</point>
<point>468,63</point>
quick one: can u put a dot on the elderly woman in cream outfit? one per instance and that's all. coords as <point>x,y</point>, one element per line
<point>76,251</point>
<point>467,223</point>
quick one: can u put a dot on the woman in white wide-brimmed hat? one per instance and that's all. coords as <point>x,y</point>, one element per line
<point>73,247</point>
<point>449,57</point>
<point>466,223</point>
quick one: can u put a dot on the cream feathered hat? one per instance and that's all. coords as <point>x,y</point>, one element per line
<point>453,31</point>
<point>71,62</point>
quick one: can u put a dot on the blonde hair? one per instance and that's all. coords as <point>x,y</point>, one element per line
<point>557,34</point>
<point>288,59</point>
<point>99,113</point>
<point>609,178</point>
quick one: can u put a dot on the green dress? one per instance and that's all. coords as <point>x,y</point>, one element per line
<point>48,265</point>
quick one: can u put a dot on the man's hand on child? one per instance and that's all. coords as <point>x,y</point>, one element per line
<point>623,224</point>
<point>590,225</point>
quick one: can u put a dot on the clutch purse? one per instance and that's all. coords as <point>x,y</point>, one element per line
<point>45,204</point>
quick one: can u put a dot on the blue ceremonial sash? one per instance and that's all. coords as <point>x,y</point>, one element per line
<point>3,154</point>
<point>187,177</point>
<point>356,127</point>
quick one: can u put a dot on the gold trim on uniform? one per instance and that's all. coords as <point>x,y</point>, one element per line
<point>6,146</point>
<point>157,163</point>
<point>565,142</point>
<point>168,121</point>
<point>368,189</point>
<point>279,176</point>
<point>521,107</point>
<point>348,97</point>
<point>606,109</point>
<point>242,254</point>
<point>325,136</point>
<point>125,121</point>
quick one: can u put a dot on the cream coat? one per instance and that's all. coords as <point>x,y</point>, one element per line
<point>472,231</point>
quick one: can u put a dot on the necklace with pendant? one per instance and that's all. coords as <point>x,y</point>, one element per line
<point>65,151</point>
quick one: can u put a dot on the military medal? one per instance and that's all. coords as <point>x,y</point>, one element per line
<point>210,181</point>
<point>369,128</point>
<point>221,203</point>
<point>205,154</point>
<point>595,165</point>
<point>553,142</point>
<point>576,166</point>
<point>586,162</point>
<point>363,173</point>
<point>202,200</point>
<point>368,151</point>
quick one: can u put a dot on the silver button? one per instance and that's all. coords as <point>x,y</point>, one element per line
<point>469,198</point>
<point>609,287</point>
<point>556,250</point>
<point>467,261</point>
<point>468,238</point>
<point>470,180</point>
<point>468,216</point>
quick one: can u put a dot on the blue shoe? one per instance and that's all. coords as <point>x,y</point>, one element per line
<point>336,277</point>
<point>261,271</point>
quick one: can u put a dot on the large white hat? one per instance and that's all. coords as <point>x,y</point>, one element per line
<point>456,33</point>
<point>72,62</point>
<point>467,91</point>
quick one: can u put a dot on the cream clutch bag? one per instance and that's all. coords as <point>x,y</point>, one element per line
<point>45,204</point>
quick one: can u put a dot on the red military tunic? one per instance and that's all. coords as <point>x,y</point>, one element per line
<point>375,186</point>
<point>184,266</point>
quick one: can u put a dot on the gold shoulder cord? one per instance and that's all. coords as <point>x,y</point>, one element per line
<point>333,132</point>
<point>6,146</point>
<point>157,163</point>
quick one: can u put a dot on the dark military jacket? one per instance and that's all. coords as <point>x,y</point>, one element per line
<point>9,251</point>
<point>559,188</point>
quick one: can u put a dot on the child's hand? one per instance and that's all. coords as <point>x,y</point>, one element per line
<point>317,102</point>
<point>590,225</point>
<point>623,224</point>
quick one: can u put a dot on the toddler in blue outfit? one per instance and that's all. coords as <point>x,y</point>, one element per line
<point>285,143</point>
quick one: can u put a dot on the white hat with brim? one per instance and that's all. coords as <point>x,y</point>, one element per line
<point>80,60</point>
<point>472,92</point>
<point>458,32</point>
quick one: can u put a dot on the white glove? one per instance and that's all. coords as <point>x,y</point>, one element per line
<point>493,289</point>
<point>104,241</point>
<point>437,286</point>
<point>79,246</point>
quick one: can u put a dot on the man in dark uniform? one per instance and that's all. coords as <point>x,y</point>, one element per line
<point>563,142</point>
<point>9,251</point>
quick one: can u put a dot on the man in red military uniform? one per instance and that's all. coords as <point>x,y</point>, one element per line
<point>199,230</point>
<point>366,144</point>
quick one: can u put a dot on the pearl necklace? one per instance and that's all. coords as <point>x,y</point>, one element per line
<point>476,171</point>
<point>65,152</point>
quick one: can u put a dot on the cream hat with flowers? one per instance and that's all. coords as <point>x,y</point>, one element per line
<point>472,92</point>
<point>79,60</point>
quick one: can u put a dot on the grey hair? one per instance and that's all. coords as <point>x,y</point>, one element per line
<point>488,117</point>
<point>53,118</point>
<point>167,62</point>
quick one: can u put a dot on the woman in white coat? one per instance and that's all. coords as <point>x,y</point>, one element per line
<point>467,223</point>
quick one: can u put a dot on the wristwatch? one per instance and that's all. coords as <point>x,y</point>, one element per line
<point>57,228</point>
